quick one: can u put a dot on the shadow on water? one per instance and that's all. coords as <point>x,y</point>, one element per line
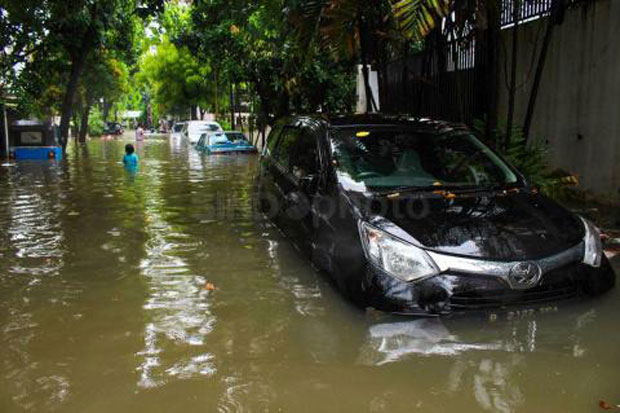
<point>160,289</point>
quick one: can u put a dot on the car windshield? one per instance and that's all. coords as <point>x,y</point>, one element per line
<point>387,158</point>
<point>178,127</point>
<point>217,139</point>
<point>202,127</point>
<point>235,136</point>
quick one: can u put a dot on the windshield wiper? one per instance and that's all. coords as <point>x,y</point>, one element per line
<point>444,189</point>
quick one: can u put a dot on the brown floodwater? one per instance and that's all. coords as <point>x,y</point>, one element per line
<point>106,306</point>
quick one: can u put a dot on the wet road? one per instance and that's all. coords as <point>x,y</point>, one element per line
<point>104,306</point>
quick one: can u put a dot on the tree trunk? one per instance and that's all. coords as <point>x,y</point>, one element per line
<point>216,92</point>
<point>492,66</point>
<point>513,75</point>
<point>75,116</point>
<point>556,16</point>
<point>106,110</point>
<point>84,123</point>
<point>77,66</point>
<point>232,106</point>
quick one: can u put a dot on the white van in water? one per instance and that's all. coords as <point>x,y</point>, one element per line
<point>177,130</point>
<point>195,128</point>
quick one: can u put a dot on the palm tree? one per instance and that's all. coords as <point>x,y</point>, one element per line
<point>354,27</point>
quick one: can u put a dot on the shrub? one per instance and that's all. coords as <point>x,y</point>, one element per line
<point>224,123</point>
<point>530,158</point>
<point>95,122</point>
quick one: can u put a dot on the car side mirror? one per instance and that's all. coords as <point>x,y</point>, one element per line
<point>309,184</point>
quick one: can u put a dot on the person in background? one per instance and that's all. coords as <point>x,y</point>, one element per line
<point>130,159</point>
<point>139,133</point>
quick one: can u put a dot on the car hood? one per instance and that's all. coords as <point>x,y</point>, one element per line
<point>509,227</point>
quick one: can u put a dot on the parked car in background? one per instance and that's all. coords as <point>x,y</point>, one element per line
<point>195,128</point>
<point>225,143</point>
<point>420,217</point>
<point>176,132</point>
<point>113,128</point>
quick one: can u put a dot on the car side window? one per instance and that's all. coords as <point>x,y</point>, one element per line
<point>305,160</point>
<point>272,139</point>
<point>285,147</point>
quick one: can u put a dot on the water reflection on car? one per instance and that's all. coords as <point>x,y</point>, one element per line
<point>420,217</point>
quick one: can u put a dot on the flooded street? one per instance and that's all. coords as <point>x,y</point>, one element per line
<point>161,290</point>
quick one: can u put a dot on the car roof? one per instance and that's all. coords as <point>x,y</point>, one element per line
<point>377,119</point>
<point>204,122</point>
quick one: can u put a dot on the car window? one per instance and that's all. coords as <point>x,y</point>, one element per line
<point>236,136</point>
<point>217,139</point>
<point>305,160</point>
<point>286,145</point>
<point>386,157</point>
<point>272,139</point>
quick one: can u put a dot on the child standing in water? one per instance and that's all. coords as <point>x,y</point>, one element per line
<point>130,158</point>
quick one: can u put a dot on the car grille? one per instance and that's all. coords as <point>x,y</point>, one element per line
<point>557,285</point>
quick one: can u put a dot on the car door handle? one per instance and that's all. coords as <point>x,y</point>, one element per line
<point>292,198</point>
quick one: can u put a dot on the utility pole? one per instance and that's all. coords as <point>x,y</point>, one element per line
<point>6,131</point>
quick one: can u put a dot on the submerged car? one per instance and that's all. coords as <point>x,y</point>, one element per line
<point>176,132</point>
<point>225,143</point>
<point>420,217</point>
<point>113,128</point>
<point>194,129</point>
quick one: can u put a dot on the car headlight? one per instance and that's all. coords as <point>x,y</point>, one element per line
<point>593,253</point>
<point>396,257</point>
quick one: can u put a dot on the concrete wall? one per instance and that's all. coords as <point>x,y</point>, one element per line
<point>578,107</point>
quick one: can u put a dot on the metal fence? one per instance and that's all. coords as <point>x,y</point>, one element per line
<point>446,80</point>
<point>528,9</point>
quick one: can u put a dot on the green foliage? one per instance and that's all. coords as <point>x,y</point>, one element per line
<point>224,123</point>
<point>95,122</point>
<point>417,18</point>
<point>529,157</point>
<point>174,78</point>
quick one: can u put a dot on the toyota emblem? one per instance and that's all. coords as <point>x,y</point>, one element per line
<point>524,274</point>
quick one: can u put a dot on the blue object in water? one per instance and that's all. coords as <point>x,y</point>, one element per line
<point>37,152</point>
<point>219,143</point>
<point>130,159</point>
<point>231,147</point>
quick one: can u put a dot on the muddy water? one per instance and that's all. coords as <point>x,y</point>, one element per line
<point>104,306</point>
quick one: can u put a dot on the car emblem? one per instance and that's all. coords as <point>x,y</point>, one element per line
<point>524,274</point>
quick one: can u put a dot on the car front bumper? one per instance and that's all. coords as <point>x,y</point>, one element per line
<point>452,292</point>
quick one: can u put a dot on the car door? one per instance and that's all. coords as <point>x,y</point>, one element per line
<point>269,193</point>
<point>280,170</point>
<point>304,186</point>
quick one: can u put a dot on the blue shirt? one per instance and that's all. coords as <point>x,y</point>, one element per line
<point>130,159</point>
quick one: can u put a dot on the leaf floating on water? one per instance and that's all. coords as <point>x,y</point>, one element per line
<point>73,213</point>
<point>249,247</point>
<point>209,287</point>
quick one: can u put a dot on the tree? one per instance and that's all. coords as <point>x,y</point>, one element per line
<point>556,17</point>
<point>175,78</point>
<point>105,79</point>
